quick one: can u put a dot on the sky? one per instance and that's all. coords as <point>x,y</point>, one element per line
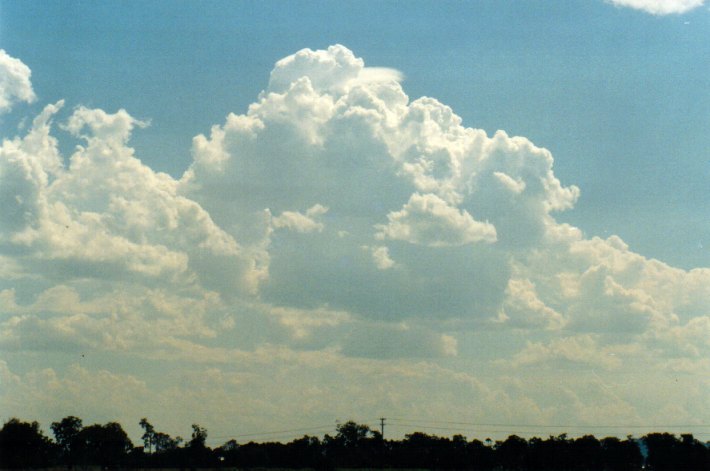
<point>485,217</point>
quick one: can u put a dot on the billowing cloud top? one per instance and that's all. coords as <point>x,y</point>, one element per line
<point>15,85</point>
<point>345,230</point>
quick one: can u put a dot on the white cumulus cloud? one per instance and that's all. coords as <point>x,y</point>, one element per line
<point>428,220</point>
<point>342,228</point>
<point>301,222</point>
<point>15,83</point>
<point>660,7</point>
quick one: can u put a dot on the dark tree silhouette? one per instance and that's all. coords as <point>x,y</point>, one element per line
<point>164,442</point>
<point>618,455</point>
<point>23,445</point>
<point>668,453</point>
<point>159,442</point>
<point>694,455</point>
<point>585,453</point>
<point>663,451</point>
<point>351,434</point>
<point>149,434</point>
<point>481,456</point>
<point>199,437</point>
<point>66,432</point>
<point>196,451</point>
<point>355,445</point>
<point>422,450</point>
<point>511,453</point>
<point>106,445</point>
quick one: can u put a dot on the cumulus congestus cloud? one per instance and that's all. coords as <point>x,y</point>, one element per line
<point>342,229</point>
<point>442,198</point>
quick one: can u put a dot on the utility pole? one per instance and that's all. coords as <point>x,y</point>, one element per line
<point>382,427</point>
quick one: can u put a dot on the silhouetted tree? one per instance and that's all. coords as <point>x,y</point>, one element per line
<point>511,453</point>
<point>351,434</point>
<point>355,445</point>
<point>199,437</point>
<point>159,443</point>
<point>481,456</point>
<point>663,451</point>
<point>164,442</point>
<point>106,445</point>
<point>694,454</point>
<point>667,452</point>
<point>621,455</point>
<point>228,453</point>
<point>197,452</point>
<point>65,433</point>
<point>149,434</point>
<point>304,452</point>
<point>421,450</point>
<point>586,453</point>
<point>23,445</point>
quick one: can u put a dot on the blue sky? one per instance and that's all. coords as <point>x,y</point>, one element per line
<point>267,239</point>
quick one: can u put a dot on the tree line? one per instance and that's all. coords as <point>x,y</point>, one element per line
<point>24,445</point>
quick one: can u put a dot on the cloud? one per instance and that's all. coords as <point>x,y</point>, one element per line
<point>301,322</point>
<point>390,171</point>
<point>428,220</point>
<point>331,190</point>
<point>15,84</point>
<point>94,395</point>
<point>116,318</point>
<point>524,308</point>
<point>381,257</point>
<point>370,75</point>
<point>106,214</point>
<point>334,70</point>
<point>386,341</point>
<point>105,129</point>
<point>343,230</point>
<point>298,222</point>
<point>580,349</point>
<point>660,7</point>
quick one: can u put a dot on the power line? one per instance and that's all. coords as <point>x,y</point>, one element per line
<point>416,422</point>
<point>485,430</point>
<point>462,426</point>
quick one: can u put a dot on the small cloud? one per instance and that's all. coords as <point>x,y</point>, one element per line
<point>302,223</point>
<point>660,7</point>
<point>302,322</point>
<point>379,75</point>
<point>15,84</point>
<point>381,257</point>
